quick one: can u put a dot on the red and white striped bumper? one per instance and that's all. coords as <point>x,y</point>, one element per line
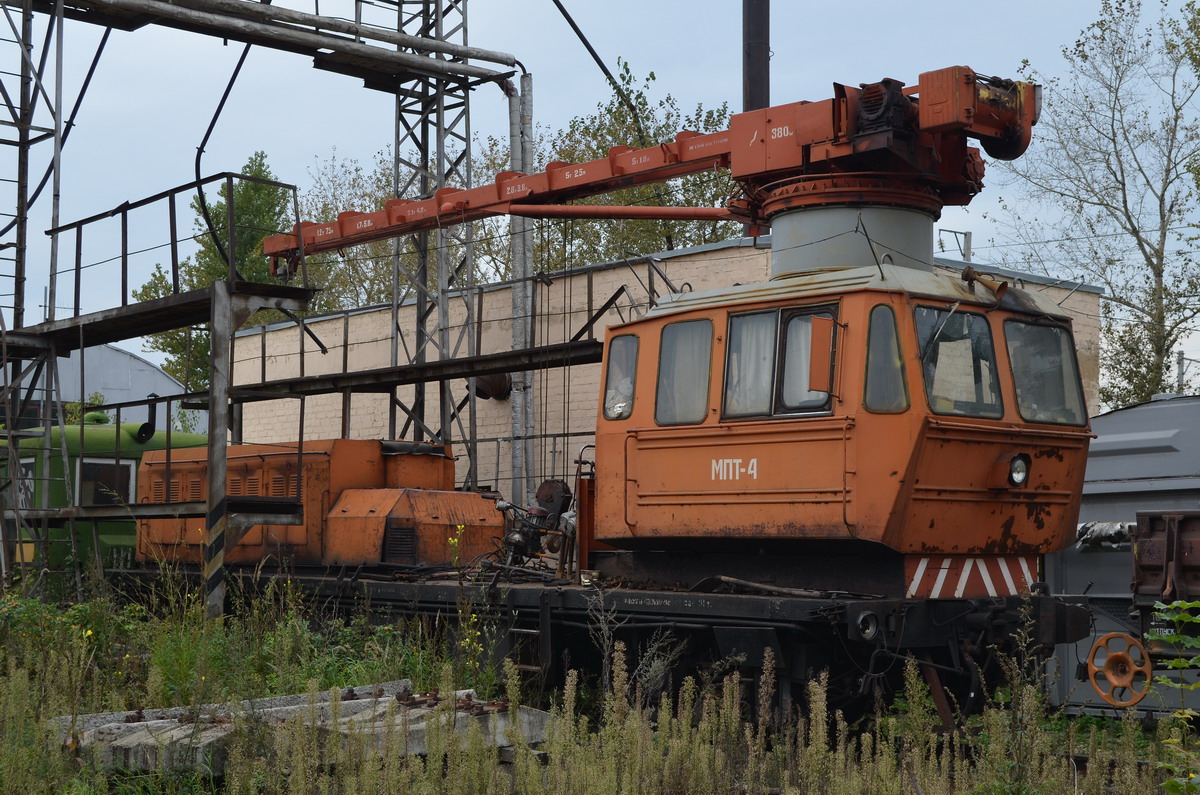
<point>963,577</point>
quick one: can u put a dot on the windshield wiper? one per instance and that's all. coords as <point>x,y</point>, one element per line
<point>929,343</point>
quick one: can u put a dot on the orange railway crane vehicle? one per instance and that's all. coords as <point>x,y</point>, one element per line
<point>885,450</point>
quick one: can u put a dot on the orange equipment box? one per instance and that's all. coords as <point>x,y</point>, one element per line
<point>330,467</point>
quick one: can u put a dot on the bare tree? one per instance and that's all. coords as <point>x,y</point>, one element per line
<point>1106,194</point>
<point>360,275</point>
<point>563,244</point>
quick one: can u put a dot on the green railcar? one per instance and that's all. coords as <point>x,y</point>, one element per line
<point>103,462</point>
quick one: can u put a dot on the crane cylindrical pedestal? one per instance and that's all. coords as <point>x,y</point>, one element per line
<point>823,238</point>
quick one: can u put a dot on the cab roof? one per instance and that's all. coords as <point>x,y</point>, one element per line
<point>883,278</point>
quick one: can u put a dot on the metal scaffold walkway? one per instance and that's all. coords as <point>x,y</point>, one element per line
<point>416,50</point>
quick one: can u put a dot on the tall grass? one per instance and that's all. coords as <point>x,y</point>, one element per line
<point>112,655</point>
<point>106,655</point>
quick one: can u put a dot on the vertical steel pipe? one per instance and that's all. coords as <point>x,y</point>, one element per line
<point>527,248</point>
<point>520,310</point>
<point>756,54</point>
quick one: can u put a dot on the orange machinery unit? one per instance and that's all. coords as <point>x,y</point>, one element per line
<point>364,503</point>
<point>881,411</point>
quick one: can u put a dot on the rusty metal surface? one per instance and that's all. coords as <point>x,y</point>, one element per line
<point>764,149</point>
<point>1166,556</point>
<point>410,527</point>
<point>950,487</point>
<point>452,527</point>
<point>354,533</point>
<point>255,471</point>
<point>346,513</point>
<point>419,471</point>
<point>1120,669</point>
<point>607,211</point>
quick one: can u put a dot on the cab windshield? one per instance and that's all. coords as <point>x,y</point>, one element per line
<point>958,362</point>
<point>1045,374</point>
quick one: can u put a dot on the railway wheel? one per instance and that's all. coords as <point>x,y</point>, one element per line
<point>1119,669</point>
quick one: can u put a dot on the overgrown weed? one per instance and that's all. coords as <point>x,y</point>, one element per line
<point>110,655</point>
<point>731,735</point>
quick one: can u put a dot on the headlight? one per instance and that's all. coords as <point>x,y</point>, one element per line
<point>1010,470</point>
<point>1018,470</point>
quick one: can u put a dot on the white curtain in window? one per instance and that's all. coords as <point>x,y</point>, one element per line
<point>683,372</point>
<point>796,394</point>
<point>748,380</point>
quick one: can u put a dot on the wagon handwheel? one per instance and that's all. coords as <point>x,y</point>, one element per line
<point>1118,669</point>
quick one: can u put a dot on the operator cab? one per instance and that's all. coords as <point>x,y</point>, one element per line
<point>904,409</point>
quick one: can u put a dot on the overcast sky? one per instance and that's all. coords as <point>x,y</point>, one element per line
<point>156,89</point>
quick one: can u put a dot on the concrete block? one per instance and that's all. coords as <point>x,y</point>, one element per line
<point>197,738</point>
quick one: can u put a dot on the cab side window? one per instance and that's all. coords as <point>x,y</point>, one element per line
<point>795,396</point>
<point>750,365</point>
<point>685,356</point>
<point>886,390</point>
<point>619,380</point>
<point>767,364</point>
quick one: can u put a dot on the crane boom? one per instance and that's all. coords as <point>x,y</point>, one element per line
<point>882,142</point>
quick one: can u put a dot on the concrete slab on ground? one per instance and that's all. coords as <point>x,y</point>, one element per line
<point>385,717</point>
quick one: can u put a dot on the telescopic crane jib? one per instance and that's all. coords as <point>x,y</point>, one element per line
<point>881,144</point>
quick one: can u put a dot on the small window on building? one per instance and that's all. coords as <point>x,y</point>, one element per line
<point>885,390</point>
<point>795,396</point>
<point>105,482</point>
<point>619,380</point>
<point>685,355</point>
<point>1045,374</point>
<point>958,363</point>
<point>750,364</point>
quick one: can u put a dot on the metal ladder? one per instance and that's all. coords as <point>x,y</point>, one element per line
<point>535,661</point>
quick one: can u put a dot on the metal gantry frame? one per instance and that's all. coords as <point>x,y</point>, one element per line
<point>34,349</point>
<point>432,151</point>
<point>32,93</point>
<point>422,57</point>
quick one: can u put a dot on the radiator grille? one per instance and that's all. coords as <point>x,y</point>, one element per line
<point>399,543</point>
<point>283,485</point>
